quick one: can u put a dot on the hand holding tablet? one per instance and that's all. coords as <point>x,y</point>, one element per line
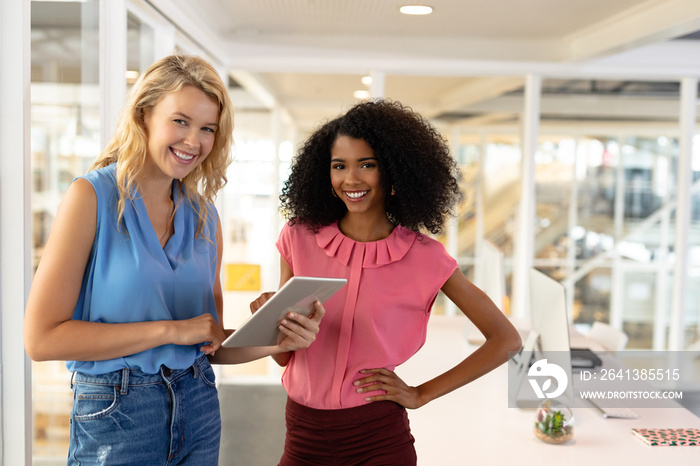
<point>297,295</point>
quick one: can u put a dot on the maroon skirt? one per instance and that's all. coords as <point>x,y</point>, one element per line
<point>373,434</point>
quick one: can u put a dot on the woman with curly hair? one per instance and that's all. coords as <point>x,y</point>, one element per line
<point>362,189</point>
<point>128,288</point>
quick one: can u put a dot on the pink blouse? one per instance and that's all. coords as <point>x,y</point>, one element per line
<point>379,319</point>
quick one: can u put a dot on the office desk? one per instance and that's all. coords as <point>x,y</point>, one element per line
<point>474,426</point>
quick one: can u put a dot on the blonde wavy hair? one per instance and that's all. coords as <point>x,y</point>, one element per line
<point>129,145</point>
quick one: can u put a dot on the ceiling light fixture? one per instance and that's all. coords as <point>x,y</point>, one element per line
<point>362,94</point>
<point>366,80</point>
<point>416,10</point>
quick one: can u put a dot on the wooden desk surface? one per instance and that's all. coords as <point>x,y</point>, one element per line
<point>474,424</point>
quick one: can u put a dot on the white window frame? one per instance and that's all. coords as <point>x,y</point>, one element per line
<point>15,240</point>
<point>163,30</point>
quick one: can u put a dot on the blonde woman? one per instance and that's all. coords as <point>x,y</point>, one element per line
<point>128,289</point>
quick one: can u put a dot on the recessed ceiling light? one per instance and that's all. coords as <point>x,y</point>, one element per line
<point>361,94</point>
<point>366,80</point>
<point>416,10</point>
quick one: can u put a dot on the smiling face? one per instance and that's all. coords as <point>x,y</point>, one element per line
<point>355,176</point>
<point>181,129</point>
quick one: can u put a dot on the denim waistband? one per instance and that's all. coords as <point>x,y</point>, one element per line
<point>129,377</point>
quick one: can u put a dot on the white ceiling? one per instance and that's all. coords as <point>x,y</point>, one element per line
<point>372,18</point>
<point>464,63</point>
<point>556,30</point>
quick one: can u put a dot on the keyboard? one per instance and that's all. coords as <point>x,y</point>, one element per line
<point>615,409</point>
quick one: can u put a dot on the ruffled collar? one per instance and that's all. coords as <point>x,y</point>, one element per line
<point>375,253</point>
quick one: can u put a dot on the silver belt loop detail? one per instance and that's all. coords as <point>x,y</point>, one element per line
<point>124,390</point>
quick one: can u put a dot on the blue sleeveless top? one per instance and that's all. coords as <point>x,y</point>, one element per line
<point>130,278</point>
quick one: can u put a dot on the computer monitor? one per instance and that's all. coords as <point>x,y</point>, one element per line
<point>548,313</point>
<point>548,339</point>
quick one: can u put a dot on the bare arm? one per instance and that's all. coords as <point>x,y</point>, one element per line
<point>285,274</point>
<point>501,337</point>
<point>218,291</point>
<point>210,349</point>
<point>49,331</point>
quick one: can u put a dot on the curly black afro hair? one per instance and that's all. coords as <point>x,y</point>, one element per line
<point>413,159</point>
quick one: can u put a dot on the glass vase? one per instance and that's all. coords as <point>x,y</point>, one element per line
<point>554,422</point>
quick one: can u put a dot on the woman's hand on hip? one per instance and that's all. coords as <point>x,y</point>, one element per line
<point>394,388</point>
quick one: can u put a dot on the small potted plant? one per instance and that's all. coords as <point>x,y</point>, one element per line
<point>554,422</point>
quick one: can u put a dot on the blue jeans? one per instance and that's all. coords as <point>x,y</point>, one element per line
<point>128,417</point>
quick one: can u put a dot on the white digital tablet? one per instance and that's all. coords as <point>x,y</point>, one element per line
<point>298,295</point>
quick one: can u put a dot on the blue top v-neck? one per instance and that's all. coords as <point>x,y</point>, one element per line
<point>131,278</point>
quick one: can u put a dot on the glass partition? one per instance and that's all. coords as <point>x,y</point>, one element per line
<point>613,232</point>
<point>606,202</point>
<point>140,53</point>
<point>65,139</point>
<point>692,316</point>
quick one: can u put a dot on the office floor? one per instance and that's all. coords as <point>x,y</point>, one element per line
<point>252,424</point>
